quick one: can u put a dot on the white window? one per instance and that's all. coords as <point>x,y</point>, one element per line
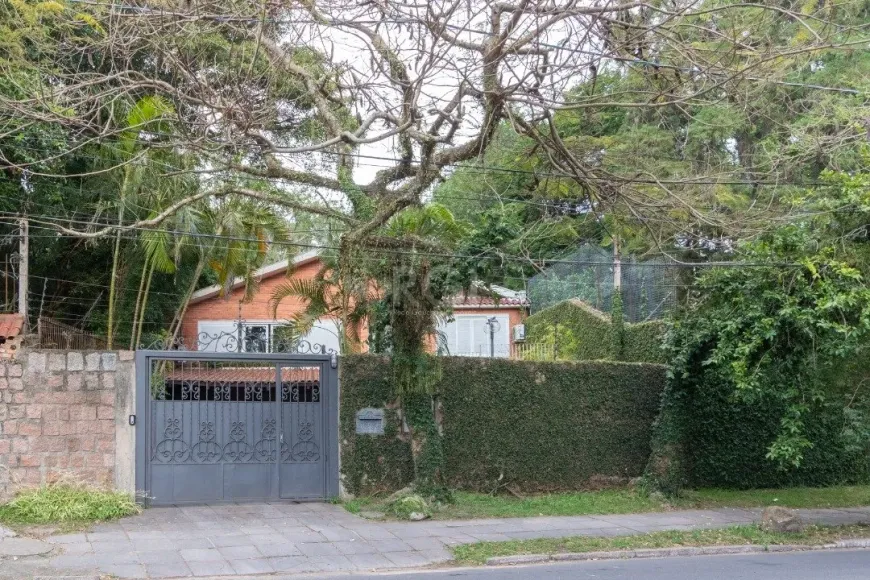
<point>475,335</point>
<point>266,337</point>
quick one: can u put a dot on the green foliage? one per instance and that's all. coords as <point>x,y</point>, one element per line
<point>707,438</point>
<point>617,326</point>
<point>764,386</point>
<point>429,458</point>
<point>579,332</point>
<point>538,426</point>
<point>62,503</point>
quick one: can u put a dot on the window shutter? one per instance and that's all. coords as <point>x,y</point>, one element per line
<point>465,336</point>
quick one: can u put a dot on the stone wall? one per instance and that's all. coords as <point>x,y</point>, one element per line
<point>63,415</point>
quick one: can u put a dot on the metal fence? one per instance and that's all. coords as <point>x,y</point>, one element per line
<point>514,351</point>
<point>650,289</point>
<point>57,335</point>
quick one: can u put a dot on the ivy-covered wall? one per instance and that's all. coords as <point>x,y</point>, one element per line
<point>576,331</point>
<point>371,463</point>
<point>536,425</point>
<point>704,438</point>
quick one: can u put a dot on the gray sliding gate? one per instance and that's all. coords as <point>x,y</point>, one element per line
<point>225,427</point>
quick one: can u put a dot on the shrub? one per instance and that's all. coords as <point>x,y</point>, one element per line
<point>405,506</point>
<point>573,330</point>
<point>65,503</point>
<point>765,387</point>
<point>533,425</point>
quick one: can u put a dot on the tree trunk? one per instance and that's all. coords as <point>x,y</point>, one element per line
<point>144,302</point>
<point>427,448</point>
<point>110,331</point>
<point>138,303</point>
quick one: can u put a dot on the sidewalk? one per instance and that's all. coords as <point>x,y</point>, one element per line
<point>296,538</point>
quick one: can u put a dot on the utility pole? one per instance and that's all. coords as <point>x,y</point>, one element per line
<point>493,325</point>
<point>617,266</point>
<point>23,269</point>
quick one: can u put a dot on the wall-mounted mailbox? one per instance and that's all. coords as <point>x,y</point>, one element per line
<point>370,422</point>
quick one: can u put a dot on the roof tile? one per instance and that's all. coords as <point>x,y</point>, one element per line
<point>487,301</point>
<point>243,374</point>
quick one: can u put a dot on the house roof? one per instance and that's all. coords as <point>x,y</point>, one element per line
<point>487,302</point>
<point>10,325</point>
<point>493,297</point>
<point>261,274</point>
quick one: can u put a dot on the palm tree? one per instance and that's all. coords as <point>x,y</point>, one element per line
<point>221,235</point>
<point>166,248</point>
<point>414,306</point>
<point>342,294</point>
<point>146,113</point>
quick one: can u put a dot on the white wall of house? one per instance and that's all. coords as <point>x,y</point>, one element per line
<point>469,335</point>
<point>259,335</point>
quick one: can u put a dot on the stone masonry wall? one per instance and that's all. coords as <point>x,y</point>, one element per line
<point>62,415</point>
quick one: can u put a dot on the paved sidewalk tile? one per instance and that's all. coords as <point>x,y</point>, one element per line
<point>254,539</point>
<point>257,566</point>
<point>240,553</point>
<point>278,550</point>
<point>385,546</point>
<point>211,568</point>
<point>314,550</point>
<point>201,555</point>
<point>288,563</point>
<point>365,562</point>
<point>355,547</point>
<point>407,559</point>
<point>125,570</point>
<point>174,570</point>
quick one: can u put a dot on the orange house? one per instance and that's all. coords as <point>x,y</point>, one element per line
<point>480,325</point>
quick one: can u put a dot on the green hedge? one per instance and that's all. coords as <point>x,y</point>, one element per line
<point>576,331</point>
<point>704,438</point>
<point>536,425</point>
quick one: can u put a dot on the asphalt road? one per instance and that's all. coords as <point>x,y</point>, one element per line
<point>826,565</point>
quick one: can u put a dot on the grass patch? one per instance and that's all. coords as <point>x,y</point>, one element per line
<point>474,505</point>
<point>623,501</point>
<point>69,506</point>
<point>794,497</point>
<point>737,535</point>
<point>467,505</point>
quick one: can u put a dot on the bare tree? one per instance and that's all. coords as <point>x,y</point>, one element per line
<point>287,102</point>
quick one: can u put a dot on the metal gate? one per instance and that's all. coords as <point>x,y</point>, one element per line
<point>218,427</point>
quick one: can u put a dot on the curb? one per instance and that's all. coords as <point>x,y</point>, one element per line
<point>670,552</point>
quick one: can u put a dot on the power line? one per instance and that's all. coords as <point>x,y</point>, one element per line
<point>388,251</point>
<point>91,284</point>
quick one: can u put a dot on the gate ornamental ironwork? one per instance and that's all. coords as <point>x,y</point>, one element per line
<point>217,427</point>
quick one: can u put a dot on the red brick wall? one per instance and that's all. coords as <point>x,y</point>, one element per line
<point>57,417</point>
<point>259,308</point>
